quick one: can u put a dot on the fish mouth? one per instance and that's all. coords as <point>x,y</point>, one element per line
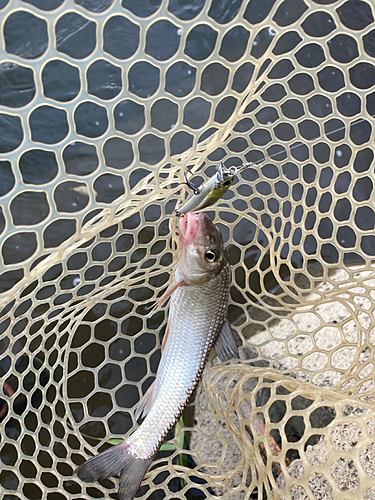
<point>189,225</point>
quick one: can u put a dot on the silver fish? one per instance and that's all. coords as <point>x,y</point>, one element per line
<point>197,321</point>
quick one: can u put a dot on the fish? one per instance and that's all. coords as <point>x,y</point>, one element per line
<point>210,191</point>
<point>197,321</point>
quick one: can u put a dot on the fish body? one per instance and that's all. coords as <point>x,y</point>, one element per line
<point>190,338</point>
<point>197,320</point>
<point>210,192</point>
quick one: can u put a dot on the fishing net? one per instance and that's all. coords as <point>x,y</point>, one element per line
<point>103,107</point>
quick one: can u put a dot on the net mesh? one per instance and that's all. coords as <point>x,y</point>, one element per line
<point>103,106</point>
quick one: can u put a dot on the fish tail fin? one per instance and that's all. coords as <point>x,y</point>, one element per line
<point>113,461</point>
<point>131,478</point>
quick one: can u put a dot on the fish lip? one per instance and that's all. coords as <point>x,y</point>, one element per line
<point>189,226</point>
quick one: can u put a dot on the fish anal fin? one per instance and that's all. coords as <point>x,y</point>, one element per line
<point>225,345</point>
<point>146,402</point>
<point>166,295</point>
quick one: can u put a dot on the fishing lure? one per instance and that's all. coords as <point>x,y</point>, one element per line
<point>212,190</point>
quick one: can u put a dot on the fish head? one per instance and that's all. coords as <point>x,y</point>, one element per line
<point>203,255</point>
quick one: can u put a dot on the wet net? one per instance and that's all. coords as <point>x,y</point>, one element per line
<point>103,106</point>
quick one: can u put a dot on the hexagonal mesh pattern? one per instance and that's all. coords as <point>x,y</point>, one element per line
<point>103,106</point>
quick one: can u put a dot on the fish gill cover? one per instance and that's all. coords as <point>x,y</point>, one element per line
<point>103,106</point>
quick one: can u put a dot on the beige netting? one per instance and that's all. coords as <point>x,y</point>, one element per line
<point>104,104</point>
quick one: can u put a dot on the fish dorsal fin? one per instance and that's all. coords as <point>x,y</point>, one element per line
<point>166,295</point>
<point>225,345</point>
<point>146,402</point>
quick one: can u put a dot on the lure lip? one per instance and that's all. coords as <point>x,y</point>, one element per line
<point>189,225</point>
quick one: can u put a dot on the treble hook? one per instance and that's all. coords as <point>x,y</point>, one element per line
<point>193,187</point>
<point>196,189</point>
<point>220,172</point>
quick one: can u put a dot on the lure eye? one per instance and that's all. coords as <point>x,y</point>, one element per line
<point>211,256</point>
<point>226,183</point>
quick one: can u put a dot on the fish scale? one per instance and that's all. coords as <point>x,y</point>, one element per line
<point>196,316</point>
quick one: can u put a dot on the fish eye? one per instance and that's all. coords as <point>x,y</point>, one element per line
<point>211,255</point>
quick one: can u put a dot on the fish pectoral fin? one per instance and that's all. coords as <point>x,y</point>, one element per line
<point>165,296</point>
<point>225,345</point>
<point>164,341</point>
<point>146,402</point>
